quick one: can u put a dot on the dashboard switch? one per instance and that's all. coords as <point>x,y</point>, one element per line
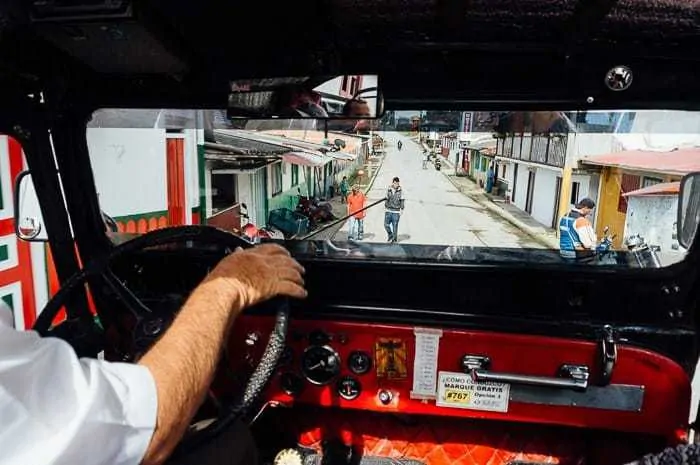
<point>385,397</point>
<point>252,338</point>
<point>319,338</point>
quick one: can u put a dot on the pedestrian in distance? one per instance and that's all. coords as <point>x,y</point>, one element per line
<point>344,188</point>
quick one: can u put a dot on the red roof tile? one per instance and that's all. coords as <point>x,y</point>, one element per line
<point>678,162</point>
<point>664,188</point>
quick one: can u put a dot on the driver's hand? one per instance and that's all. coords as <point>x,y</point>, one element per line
<point>260,273</point>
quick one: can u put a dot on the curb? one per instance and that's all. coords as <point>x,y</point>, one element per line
<point>374,176</point>
<point>547,242</point>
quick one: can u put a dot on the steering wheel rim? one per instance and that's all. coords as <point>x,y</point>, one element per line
<point>100,267</point>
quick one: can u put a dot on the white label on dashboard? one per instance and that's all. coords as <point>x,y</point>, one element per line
<point>425,363</point>
<point>457,390</point>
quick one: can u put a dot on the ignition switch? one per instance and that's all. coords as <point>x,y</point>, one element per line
<point>385,397</point>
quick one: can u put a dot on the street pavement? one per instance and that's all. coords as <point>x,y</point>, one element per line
<point>436,212</point>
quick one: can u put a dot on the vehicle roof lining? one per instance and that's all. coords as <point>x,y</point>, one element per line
<point>550,50</point>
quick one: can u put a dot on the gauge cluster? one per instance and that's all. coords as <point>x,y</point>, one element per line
<point>317,362</point>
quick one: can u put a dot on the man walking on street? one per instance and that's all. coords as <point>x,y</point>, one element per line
<point>393,204</point>
<point>356,202</point>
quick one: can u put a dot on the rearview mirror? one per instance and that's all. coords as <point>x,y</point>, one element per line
<point>29,222</point>
<point>334,97</point>
<point>688,209</point>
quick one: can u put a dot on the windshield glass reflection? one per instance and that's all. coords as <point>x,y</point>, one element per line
<point>566,188</point>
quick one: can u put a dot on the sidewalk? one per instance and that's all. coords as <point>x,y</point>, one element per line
<point>509,212</point>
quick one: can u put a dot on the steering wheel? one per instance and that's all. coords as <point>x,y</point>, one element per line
<point>142,316</point>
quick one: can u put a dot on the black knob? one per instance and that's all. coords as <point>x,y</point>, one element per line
<point>385,397</point>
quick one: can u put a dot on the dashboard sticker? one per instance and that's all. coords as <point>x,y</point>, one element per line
<point>425,363</point>
<point>457,390</point>
<point>390,358</point>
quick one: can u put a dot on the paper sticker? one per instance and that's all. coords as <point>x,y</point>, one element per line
<point>457,390</point>
<point>425,363</point>
<point>390,358</point>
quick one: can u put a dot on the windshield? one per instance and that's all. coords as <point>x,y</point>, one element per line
<point>566,188</point>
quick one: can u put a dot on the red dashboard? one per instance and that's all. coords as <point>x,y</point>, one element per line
<point>468,374</point>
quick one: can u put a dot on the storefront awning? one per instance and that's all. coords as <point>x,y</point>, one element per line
<point>341,156</point>
<point>295,144</point>
<point>236,164</point>
<point>305,159</point>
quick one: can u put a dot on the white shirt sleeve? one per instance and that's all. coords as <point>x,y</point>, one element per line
<point>587,235</point>
<point>56,409</point>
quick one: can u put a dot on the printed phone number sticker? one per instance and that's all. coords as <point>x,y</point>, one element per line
<point>457,390</point>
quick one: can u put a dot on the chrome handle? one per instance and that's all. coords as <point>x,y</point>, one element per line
<point>570,377</point>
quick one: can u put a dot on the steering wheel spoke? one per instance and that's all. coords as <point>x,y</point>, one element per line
<point>123,293</point>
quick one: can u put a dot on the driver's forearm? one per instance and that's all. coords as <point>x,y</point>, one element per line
<point>184,360</point>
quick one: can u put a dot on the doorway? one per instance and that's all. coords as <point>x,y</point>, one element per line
<point>224,190</point>
<point>557,203</point>
<point>530,191</point>
<point>175,163</point>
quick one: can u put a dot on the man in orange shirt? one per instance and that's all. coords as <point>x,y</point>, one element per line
<point>356,202</point>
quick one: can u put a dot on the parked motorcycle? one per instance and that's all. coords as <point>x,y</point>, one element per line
<point>315,210</point>
<point>645,255</point>
<point>255,234</point>
<point>399,145</point>
<point>438,163</point>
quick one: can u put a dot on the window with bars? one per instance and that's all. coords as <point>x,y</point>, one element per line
<point>648,181</point>
<point>276,178</point>
<point>628,183</point>
<point>295,175</point>
<point>575,189</point>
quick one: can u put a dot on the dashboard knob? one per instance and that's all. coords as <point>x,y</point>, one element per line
<point>385,397</point>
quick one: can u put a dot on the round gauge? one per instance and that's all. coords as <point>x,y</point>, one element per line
<point>359,362</point>
<point>349,388</point>
<point>320,364</point>
<point>291,383</point>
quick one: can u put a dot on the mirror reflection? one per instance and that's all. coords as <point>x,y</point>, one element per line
<point>688,209</point>
<point>29,223</point>
<point>338,97</point>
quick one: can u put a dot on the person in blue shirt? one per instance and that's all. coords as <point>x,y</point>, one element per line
<point>577,238</point>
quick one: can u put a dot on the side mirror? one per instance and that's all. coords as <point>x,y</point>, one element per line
<point>688,209</point>
<point>29,222</point>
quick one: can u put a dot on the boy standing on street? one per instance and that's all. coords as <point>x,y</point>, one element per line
<point>356,202</point>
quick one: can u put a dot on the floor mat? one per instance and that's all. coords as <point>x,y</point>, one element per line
<point>445,441</point>
<point>318,460</point>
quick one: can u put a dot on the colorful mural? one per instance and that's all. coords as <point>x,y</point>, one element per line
<point>16,277</point>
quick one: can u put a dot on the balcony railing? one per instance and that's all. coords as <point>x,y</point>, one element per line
<point>544,149</point>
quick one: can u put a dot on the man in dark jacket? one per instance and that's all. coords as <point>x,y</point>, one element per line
<point>393,204</point>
